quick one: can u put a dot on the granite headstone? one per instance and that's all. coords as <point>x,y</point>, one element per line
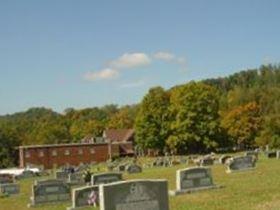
<point>104,178</point>
<point>193,179</point>
<point>134,195</point>
<point>85,196</point>
<point>133,168</point>
<point>50,191</point>
<point>241,163</point>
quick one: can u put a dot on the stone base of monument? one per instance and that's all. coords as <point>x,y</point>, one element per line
<point>193,190</point>
<point>33,204</point>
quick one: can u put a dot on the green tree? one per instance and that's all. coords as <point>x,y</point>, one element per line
<point>270,134</point>
<point>8,144</point>
<point>195,120</point>
<point>152,120</point>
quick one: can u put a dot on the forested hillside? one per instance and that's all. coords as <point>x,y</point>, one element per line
<point>241,110</point>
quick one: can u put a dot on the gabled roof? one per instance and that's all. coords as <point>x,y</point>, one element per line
<point>119,135</point>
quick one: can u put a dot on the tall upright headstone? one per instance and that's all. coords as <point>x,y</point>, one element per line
<point>85,196</point>
<point>50,191</point>
<point>134,195</point>
<point>193,179</point>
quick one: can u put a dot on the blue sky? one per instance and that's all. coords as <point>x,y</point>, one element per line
<point>69,53</point>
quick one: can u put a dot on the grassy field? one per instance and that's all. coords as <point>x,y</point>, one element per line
<point>258,189</point>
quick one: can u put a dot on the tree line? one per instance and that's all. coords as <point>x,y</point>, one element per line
<point>239,111</point>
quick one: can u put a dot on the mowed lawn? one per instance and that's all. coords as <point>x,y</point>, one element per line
<point>258,189</point>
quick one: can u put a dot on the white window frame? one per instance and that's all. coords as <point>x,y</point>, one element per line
<point>54,153</point>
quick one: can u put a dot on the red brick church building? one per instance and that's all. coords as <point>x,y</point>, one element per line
<point>113,143</point>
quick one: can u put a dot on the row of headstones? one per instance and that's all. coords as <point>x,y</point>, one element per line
<point>129,168</point>
<point>133,194</point>
<point>206,160</point>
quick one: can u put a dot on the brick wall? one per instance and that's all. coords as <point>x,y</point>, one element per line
<point>61,155</point>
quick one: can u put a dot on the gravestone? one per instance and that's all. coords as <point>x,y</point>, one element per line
<point>76,179</point>
<point>9,189</point>
<point>166,161</point>
<point>278,154</point>
<point>133,168</point>
<point>241,163</point>
<point>174,162</point>
<point>121,168</point>
<point>183,160</point>
<point>224,158</point>
<point>26,174</point>
<point>134,195</point>
<point>206,161</point>
<point>270,154</point>
<point>193,179</point>
<point>104,178</point>
<point>6,178</point>
<point>158,162</point>
<point>50,191</point>
<point>85,196</point>
<point>252,153</point>
<point>62,175</point>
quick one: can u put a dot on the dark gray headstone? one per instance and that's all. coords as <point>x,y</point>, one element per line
<point>85,196</point>
<point>104,178</point>
<point>133,168</point>
<point>9,189</point>
<point>76,179</point>
<point>121,168</point>
<point>134,195</point>
<point>193,179</point>
<point>62,175</point>
<point>241,163</point>
<point>206,161</point>
<point>50,191</point>
<point>26,174</point>
<point>6,178</point>
<point>271,154</point>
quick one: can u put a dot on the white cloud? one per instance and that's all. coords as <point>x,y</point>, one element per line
<point>104,74</point>
<point>138,83</point>
<point>130,60</point>
<point>113,68</point>
<point>171,58</point>
<point>166,56</point>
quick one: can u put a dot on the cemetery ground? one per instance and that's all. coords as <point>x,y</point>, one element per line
<point>257,189</point>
